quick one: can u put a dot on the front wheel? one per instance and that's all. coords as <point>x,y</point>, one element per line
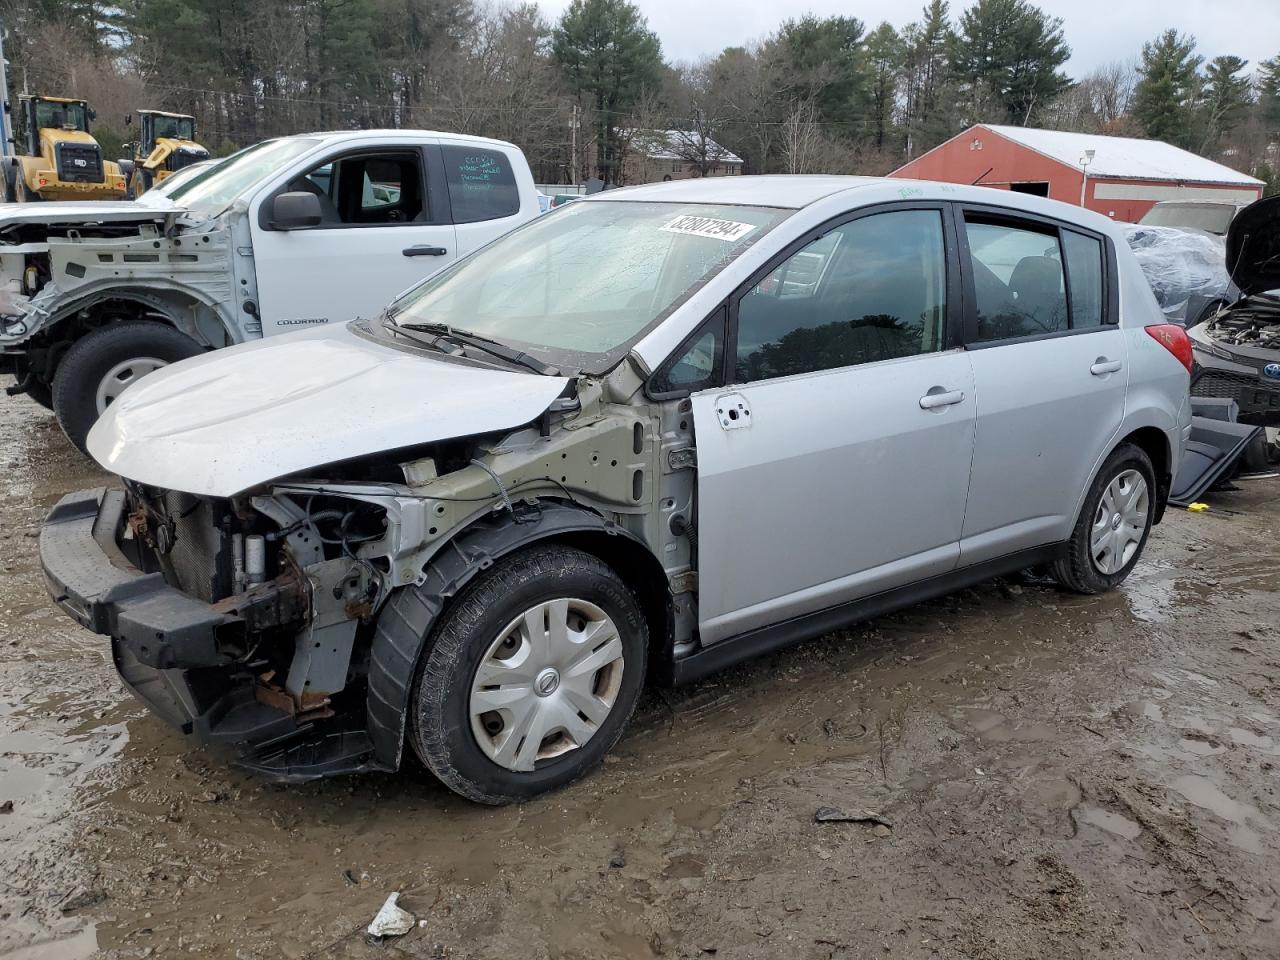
<point>104,362</point>
<point>1113,525</point>
<point>531,676</point>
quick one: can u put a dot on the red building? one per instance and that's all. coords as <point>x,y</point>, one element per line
<point>1121,177</point>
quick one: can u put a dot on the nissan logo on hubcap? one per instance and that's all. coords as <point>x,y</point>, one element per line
<point>1272,370</point>
<point>546,683</point>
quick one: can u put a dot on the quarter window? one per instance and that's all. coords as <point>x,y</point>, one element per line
<point>1019,286</point>
<point>872,289</point>
<point>1084,270</point>
<point>482,185</point>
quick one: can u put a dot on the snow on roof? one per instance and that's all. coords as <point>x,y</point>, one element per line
<point>667,144</point>
<point>1126,157</point>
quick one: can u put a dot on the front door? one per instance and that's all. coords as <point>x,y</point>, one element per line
<point>379,235</point>
<point>837,464</point>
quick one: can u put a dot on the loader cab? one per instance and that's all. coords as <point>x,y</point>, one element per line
<point>153,125</point>
<point>48,113</point>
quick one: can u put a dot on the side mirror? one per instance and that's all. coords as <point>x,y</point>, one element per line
<point>93,114</point>
<point>295,210</point>
<point>128,119</point>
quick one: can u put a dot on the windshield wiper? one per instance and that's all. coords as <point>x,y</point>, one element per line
<point>442,331</point>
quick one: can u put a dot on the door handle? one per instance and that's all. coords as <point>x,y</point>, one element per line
<point>1102,366</point>
<point>943,398</point>
<point>424,250</point>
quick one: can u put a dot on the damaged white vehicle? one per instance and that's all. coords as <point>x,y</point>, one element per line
<point>660,431</point>
<point>290,233</point>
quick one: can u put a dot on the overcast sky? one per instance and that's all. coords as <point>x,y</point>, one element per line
<point>1098,31</point>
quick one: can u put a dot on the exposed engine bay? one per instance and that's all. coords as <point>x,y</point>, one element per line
<point>1252,322</point>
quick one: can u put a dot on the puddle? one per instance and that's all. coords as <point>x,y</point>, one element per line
<point>1204,793</point>
<point>1200,744</point>
<point>1112,823</point>
<point>1247,738</point>
<point>994,727</point>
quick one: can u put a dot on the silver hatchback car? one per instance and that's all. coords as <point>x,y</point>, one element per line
<point>647,435</point>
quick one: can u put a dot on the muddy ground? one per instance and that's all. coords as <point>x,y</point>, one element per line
<point>1064,776</point>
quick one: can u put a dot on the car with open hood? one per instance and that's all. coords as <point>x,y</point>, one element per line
<point>656,432</point>
<point>290,233</point>
<point>1237,349</point>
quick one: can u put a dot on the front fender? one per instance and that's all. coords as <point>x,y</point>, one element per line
<point>406,621</point>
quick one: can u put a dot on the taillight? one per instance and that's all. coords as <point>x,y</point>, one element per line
<point>1174,339</point>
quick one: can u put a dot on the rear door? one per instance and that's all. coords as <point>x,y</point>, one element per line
<point>386,225</point>
<point>491,191</point>
<point>1050,371</point>
<point>836,464</point>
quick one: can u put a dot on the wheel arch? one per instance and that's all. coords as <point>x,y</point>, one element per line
<point>405,625</point>
<point>186,310</point>
<point>1155,444</point>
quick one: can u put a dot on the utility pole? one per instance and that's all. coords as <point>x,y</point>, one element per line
<point>7,146</point>
<point>573,144</point>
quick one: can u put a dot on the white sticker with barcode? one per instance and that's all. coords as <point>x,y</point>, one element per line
<point>731,231</point>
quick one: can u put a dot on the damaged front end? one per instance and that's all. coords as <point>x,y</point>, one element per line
<point>233,619</point>
<point>1237,350</point>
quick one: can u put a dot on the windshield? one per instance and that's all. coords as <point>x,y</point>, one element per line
<point>578,286</point>
<point>178,128</point>
<point>220,184</point>
<point>1209,217</point>
<point>60,116</point>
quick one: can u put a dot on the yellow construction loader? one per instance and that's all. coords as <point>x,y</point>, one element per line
<point>56,158</point>
<point>166,143</point>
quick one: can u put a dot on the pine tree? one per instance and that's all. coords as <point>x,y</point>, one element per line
<point>1165,99</point>
<point>1008,53</point>
<point>1226,100</point>
<point>884,55</point>
<point>927,79</point>
<point>611,57</point>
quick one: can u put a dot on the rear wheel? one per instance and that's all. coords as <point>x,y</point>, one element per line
<point>531,676</point>
<point>1113,525</point>
<point>104,362</point>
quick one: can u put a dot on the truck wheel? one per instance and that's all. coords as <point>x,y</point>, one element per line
<point>24,193</point>
<point>102,363</point>
<point>1113,525</point>
<point>530,677</point>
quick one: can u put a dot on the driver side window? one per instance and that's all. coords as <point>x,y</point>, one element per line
<point>368,189</point>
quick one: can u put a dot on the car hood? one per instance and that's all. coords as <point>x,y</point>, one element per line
<point>1253,247</point>
<point>237,418</point>
<point>96,211</point>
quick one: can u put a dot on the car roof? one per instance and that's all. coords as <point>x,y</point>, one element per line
<point>394,134</point>
<point>790,191</point>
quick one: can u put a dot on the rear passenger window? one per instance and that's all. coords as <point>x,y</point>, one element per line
<point>482,185</point>
<point>1019,286</point>
<point>1084,272</point>
<point>872,289</point>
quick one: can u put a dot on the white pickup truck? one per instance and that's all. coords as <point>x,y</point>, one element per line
<point>284,235</point>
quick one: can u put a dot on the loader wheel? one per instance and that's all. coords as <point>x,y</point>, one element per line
<point>25,194</point>
<point>102,363</point>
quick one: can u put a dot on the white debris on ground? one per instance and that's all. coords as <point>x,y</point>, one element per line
<point>392,920</point>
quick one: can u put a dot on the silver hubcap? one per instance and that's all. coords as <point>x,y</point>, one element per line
<point>1119,523</point>
<point>122,375</point>
<point>546,684</point>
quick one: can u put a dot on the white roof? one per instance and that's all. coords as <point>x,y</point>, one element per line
<point>1125,157</point>
<point>661,145</point>
<point>789,191</point>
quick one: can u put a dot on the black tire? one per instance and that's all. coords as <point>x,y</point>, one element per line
<point>1077,571</point>
<point>23,193</point>
<point>440,723</point>
<point>92,357</point>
